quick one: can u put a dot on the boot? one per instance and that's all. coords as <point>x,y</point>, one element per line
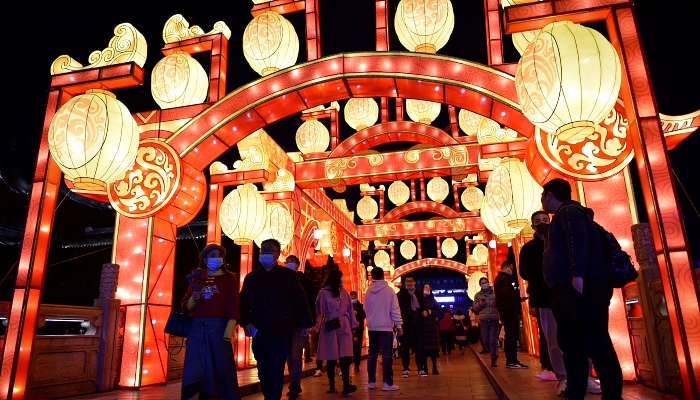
<point>331,380</point>
<point>348,387</point>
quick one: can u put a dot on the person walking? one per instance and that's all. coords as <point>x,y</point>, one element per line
<point>575,268</point>
<point>508,303</point>
<point>461,326</point>
<point>447,331</point>
<point>272,301</point>
<point>358,332</point>
<point>410,304</point>
<point>212,301</point>
<point>485,307</point>
<point>430,343</point>
<point>383,315</point>
<point>335,320</point>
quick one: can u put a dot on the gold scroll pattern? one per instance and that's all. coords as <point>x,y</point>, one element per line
<point>456,156</point>
<point>335,167</point>
<point>284,182</point>
<point>178,29</point>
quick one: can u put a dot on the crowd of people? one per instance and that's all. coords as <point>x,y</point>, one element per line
<point>282,311</point>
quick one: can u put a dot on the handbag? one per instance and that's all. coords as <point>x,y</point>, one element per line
<point>178,324</point>
<point>332,324</point>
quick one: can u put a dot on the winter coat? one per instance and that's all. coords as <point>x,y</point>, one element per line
<point>446,323</point>
<point>488,312</point>
<point>409,317</point>
<point>531,257</point>
<point>507,297</point>
<point>572,246</point>
<point>383,312</point>
<point>360,316</point>
<point>311,292</point>
<point>461,323</point>
<point>430,338</point>
<point>337,343</point>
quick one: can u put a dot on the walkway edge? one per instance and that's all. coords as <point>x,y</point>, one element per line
<point>502,389</point>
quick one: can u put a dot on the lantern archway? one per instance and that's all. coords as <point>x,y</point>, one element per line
<point>437,263</point>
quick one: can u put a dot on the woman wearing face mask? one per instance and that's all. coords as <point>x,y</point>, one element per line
<point>485,306</point>
<point>335,320</point>
<point>430,313</point>
<point>213,303</point>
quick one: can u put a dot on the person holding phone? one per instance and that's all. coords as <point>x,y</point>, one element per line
<point>485,306</point>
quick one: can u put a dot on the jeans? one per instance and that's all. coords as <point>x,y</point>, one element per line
<point>271,353</point>
<point>307,348</point>
<point>380,340</point>
<point>294,361</point>
<point>511,325</point>
<point>545,362</point>
<point>549,329</point>
<point>489,336</point>
<point>582,333</point>
<point>408,342</point>
<point>447,341</point>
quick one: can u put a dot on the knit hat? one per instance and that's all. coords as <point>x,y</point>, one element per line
<point>210,247</point>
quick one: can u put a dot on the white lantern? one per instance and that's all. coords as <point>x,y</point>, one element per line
<point>329,241</point>
<point>408,249</point>
<point>361,112</point>
<point>449,248</point>
<point>522,39</point>
<point>179,80</point>
<point>490,132</point>
<point>422,111</point>
<point>312,137</point>
<point>568,80</point>
<point>94,139</point>
<point>382,260</point>
<point>279,225</point>
<point>469,121</point>
<point>473,285</point>
<point>512,193</point>
<point>497,225</point>
<point>481,253</point>
<point>438,189</point>
<point>270,43</point>
<point>424,26</point>
<point>242,214</point>
<point>367,208</point>
<point>399,193</point>
<point>472,197</point>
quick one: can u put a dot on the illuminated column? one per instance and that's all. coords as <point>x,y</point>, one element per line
<point>399,109</point>
<point>216,196</point>
<point>494,42</point>
<point>381,204</point>
<point>313,33</point>
<point>456,195</point>
<point>454,127</point>
<point>437,241</point>
<point>335,128</point>
<point>243,351</point>
<point>413,190</point>
<point>382,26</point>
<point>422,190</point>
<point>420,249</point>
<point>384,110</point>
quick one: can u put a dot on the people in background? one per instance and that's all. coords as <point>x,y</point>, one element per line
<point>430,313</point>
<point>447,331</point>
<point>212,301</point>
<point>508,302</point>
<point>410,304</point>
<point>358,332</point>
<point>273,305</point>
<point>461,323</point>
<point>485,306</point>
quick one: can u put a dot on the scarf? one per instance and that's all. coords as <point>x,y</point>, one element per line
<point>414,299</point>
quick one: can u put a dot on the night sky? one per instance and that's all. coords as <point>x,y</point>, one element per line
<point>36,35</point>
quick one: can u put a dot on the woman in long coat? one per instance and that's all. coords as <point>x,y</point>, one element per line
<point>430,313</point>
<point>335,344</point>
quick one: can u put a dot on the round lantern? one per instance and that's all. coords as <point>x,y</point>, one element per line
<point>422,111</point>
<point>469,121</point>
<point>472,261</point>
<point>367,208</point>
<point>449,248</point>
<point>497,225</point>
<point>382,260</point>
<point>179,80</point>
<point>481,253</point>
<point>242,214</point>
<point>568,79</point>
<point>424,26</point>
<point>408,249</point>
<point>438,189</point>
<point>312,137</point>
<point>279,225</point>
<point>512,193</point>
<point>361,113</point>
<point>472,197</point>
<point>399,193</point>
<point>473,284</point>
<point>329,240</point>
<point>94,139</point>
<point>490,132</point>
<point>270,43</point>
<point>522,39</point>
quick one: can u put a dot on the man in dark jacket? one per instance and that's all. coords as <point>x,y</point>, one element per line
<point>410,305</point>
<point>272,301</point>
<point>358,332</point>
<point>508,302</point>
<point>575,269</point>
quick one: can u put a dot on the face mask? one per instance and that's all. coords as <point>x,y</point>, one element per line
<point>509,271</point>
<point>341,281</point>
<point>267,259</point>
<point>354,301</point>
<point>426,292</point>
<point>214,263</point>
<point>292,266</point>
<point>485,286</point>
<point>541,228</point>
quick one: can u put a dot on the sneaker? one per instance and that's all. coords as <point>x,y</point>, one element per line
<point>593,386</point>
<point>318,373</point>
<point>422,374</point>
<point>372,385</point>
<point>435,371</point>
<point>389,388</point>
<point>405,373</point>
<point>493,362</point>
<point>546,375</point>
<point>516,365</point>
<point>561,388</point>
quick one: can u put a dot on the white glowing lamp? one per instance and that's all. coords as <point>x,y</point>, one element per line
<point>242,214</point>
<point>361,112</point>
<point>481,253</point>
<point>367,208</point>
<point>449,248</point>
<point>94,139</point>
<point>424,26</point>
<point>522,39</point>
<point>318,234</point>
<point>497,225</point>
<point>346,252</point>
<point>473,284</point>
<point>438,189</point>
<point>270,43</point>
<point>472,197</point>
<point>312,137</point>
<point>408,249</point>
<point>329,241</point>
<point>512,194</point>
<point>279,225</point>
<point>492,243</point>
<point>382,260</point>
<point>179,80</point>
<point>568,80</point>
<point>469,121</point>
<point>399,193</point>
<point>422,111</point>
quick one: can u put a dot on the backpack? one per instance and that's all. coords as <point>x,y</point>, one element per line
<point>622,269</point>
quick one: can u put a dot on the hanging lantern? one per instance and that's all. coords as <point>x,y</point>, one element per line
<point>481,253</point>
<point>312,137</point>
<point>469,121</point>
<point>424,26</point>
<point>497,225</point>
<point>422,111</point>
<point>490,132</point>
<point>382,260</point>
<point>472,197</point>
<point>179,80</point>
<point>449,248</point>
<point>361,112</point>
<point>522,39</point>
<point>367,208</point>
<point>242,214</point>
<point>94,139</point>
<point>329,240</point>
<point>568,79</point>
<point>473,284</point>
<point>399,193</point>
<point>279,225</point>
<point>270,43</point>
<point>408,249</point>
<point>512,193</point>
<point>472,261</point>
<point>438,189</point>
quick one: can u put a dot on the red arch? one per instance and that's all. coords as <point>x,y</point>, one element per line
<point>430,262</point>
<point>395,131</point>
<point>307,238</point>
<point>418,207</point>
